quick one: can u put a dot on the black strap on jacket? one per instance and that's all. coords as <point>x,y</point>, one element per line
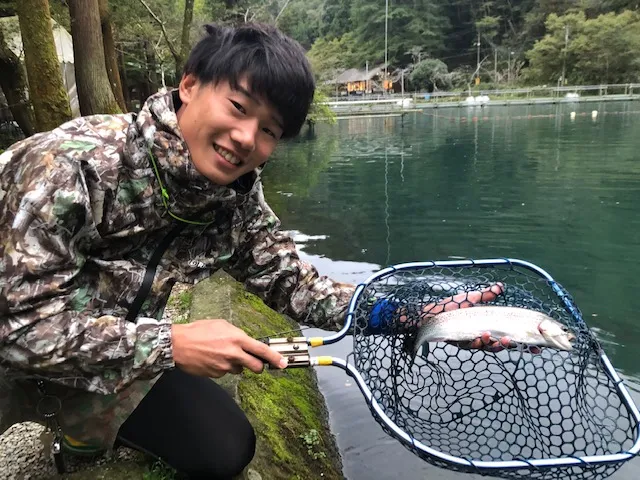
<point>150,273</point>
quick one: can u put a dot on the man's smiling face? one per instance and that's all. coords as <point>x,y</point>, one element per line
<point>229,131</point>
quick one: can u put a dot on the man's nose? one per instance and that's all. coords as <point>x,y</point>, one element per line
<point>244,134</point>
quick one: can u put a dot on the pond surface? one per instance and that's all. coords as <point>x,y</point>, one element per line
<point>519,182</point>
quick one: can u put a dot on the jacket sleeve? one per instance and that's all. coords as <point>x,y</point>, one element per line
<point>46,228</point>
<point>268,263</point>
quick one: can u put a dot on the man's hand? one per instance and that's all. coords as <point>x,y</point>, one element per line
<point>468,299</point>
<point>213,348</point>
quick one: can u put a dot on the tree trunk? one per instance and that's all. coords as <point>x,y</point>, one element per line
<point>14,86</point>
<point>111,59</point>
<point>185,45</point>
<point>152,73</point>
<point>94,91</point>
<point>144,87</point>
<point>125,81</point>
<point>46,88</point>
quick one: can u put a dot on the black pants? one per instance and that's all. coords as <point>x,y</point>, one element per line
<point>193,425</point>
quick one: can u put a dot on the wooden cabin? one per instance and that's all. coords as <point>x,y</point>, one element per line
<point>358,82</point>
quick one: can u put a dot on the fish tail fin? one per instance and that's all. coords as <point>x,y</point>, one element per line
<point>423,352</point>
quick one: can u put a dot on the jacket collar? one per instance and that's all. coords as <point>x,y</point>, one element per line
<point>155,131</point>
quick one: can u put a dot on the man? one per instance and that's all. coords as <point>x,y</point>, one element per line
<point>88,208</point>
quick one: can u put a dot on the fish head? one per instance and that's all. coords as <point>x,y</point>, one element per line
<point>558,335</point>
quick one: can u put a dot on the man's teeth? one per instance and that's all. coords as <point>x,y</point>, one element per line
<point>230,157</point>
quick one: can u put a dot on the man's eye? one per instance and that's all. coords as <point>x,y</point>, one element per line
<point>270,132</point>
<point>238,106</point>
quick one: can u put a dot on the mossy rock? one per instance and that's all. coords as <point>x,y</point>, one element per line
<point>285,407</point>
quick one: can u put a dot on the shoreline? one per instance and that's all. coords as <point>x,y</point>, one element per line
<point>386,109</point>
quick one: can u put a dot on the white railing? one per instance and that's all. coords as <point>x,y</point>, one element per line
<point>555,91</point>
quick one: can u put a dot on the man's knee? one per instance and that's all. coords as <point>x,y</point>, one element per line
<point>229,459</point>
<point>242,452</point>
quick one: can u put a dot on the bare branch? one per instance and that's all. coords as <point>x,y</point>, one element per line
<point>174,52</point>
<point>280,12</point>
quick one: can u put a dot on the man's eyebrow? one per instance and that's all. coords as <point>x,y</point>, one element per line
<point>255,99</point>
<point>247,93</point>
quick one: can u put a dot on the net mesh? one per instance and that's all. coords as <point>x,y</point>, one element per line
<point>491,406</point>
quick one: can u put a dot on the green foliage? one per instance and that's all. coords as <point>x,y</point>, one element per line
<point>430,75</point>
<point>604,49</point>
<point>336,18</point>
<point>330,57</point>
<point>319,112</point>
<point>488,26</point>
<point>302,21</point>
<point>343,34</point>
<point>312,441</point>
<point>461,77</point>
<point>411,23</point>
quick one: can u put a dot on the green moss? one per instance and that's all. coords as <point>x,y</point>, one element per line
<point>49,98</point>
<point>283,406</point>
<point>180,305</point>
<point>286,403</point>
<point>267,323</point>
<point>184,301</point>
<point>283,410</point>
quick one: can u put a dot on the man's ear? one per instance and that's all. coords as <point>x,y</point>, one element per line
<point>188,87</point>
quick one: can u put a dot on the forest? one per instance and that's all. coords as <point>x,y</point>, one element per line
<point>446,43</point>
<point>127,49</point>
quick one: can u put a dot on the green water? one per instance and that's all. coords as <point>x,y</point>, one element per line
<point>521,182</point>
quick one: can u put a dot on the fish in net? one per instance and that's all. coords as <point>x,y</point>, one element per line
<point>516,413</point>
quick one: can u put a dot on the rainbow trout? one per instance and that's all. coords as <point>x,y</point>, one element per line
<point>523,326</point>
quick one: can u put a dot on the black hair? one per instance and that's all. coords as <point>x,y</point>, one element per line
<point>275,66</point>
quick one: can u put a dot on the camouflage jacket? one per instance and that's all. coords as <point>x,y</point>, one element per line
<point>80,215</point>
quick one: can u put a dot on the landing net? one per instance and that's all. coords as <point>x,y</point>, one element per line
<point>484,406</point>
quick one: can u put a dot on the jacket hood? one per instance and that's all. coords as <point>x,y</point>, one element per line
<point>155,132</point>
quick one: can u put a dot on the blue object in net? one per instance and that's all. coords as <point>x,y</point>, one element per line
<point>381,317</point>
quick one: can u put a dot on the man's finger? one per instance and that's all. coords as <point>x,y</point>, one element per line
<point>251,362</point>
<point>485,295</point>
<point>264,352</point>
<point>464,300</point>
<point>477,343</point>
<point>215,373</point>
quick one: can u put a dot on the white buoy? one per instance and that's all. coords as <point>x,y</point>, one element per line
<point>594,114</point>
<point>573,115</point>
